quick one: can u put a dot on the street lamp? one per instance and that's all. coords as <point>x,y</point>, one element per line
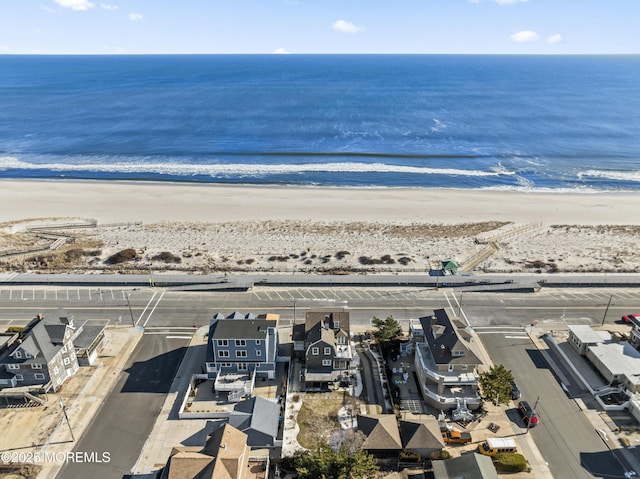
<point>133,323</point>
<point>606,310</point>
<point>64,411</point>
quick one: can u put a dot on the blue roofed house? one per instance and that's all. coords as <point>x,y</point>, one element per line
<point>445,363</point>
<point>259,419</point>
<point>240,348</point>
<point>43,356</point>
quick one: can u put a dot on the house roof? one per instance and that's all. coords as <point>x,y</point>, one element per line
<point>224,456</point>
<point>256,415</point>
<point>467,466</point>
<point>240,328</point>
<point>587,335</point>
<point>444,339</point>
<point>381,432</point>
<point>87,336</point>
<point>421,433</point>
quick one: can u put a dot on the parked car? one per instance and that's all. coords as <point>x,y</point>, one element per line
<point>627,318</point>
<point>515,391</point>
<point>527,413</point>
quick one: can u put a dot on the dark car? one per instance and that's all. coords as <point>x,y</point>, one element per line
<point>515,391</point>
<point>527,413</point>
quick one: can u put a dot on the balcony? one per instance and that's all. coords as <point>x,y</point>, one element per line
<point>450,397</point>
<point>426,364</point>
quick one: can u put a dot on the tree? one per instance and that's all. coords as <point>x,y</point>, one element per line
<point>496,383</point>
<point>387,331</point>
<point>325,463</point>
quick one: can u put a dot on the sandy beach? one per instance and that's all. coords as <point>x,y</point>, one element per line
<point>209,228</point>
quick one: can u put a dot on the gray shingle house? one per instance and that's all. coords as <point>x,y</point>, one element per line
<point>44,355</point>
<point>324,340</point>
<point>445,363</point>
<point>242,345</point>
<point>258,419</point>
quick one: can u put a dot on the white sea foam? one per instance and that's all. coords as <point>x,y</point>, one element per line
<point>241,169</point>
<point>611,175</point>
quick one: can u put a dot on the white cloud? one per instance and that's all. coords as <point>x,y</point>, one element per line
<point>280,51</point>
<point>75,4</point>
<point>135,17</point>
<point>510,2</point>
<point>106,6</point>
<point>555,39</point>
<point>346,27</point>
<point>525,36</point>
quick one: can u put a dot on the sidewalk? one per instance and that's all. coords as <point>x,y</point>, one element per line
<point>117,348</point>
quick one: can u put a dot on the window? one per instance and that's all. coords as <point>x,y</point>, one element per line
<point>327,351</point>
<point>336,325</point>
<point>241,354</point>
<point>326,362</point>
<point>222,342</point>
<point>66,361</point>
<point>450,367</point>
<point>315,351</point>
<point>27,355</point>
<point>242,366</point>
<point>13,366</point>
<point>241,342</point>
<point>258,353</point>
<point>18,354</point>
<point>223,354</point>
<point>38,376</point>
<point>19,377</point>
<point>225,365</point>
<point>258,342</point>
<point>64,349</point>
<point>341,340</point>
<point>36,366</point>
<point>56,370</point>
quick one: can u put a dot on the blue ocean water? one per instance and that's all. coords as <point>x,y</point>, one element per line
<point>428,121</point>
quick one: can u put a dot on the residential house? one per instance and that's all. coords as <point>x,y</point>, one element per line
<point>445,363</point>
<point>422,435</point>
<point>259,419</point>
<point>582,336</point>
<point>467,466</point>
<point>43,356</point>
<point>239,349</point>
<point>225,455</point>
<point>382,437</point>
<point>324,340</point>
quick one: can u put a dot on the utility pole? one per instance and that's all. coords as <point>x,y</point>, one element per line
<point>64,411</point>
<point>533,412</point>
<point>606,310</point>
<point>133,323</point>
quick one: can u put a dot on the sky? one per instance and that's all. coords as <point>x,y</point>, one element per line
<point>319,26</point>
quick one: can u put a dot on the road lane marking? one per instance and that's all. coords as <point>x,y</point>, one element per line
<point>146,307</point>
<point>178,337</point>
<point>154,308</point>
<point>517,337</point>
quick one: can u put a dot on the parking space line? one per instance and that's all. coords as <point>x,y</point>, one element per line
<point>367,293</point>
<point>154,308</point>
<point>146,307</point>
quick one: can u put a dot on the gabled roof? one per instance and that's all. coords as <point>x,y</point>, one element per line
<point>315,319</point>
<point>444,339</point>
<point>321,334</point>
<point>421,433</point>
<point>467,466</point>
<point>224,456</point>
<point>381,432</point>
<point>256,415</point>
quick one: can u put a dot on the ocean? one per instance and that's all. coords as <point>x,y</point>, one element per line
<point>548,123</point>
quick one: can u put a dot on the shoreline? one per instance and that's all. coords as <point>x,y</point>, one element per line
<point>152,202</point>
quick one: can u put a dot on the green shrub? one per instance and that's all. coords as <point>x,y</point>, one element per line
<point>409,456</point>
<point>444,454</point>
<point>167,257</point>
<point>510,462</point>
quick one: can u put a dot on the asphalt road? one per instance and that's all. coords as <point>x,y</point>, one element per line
<point>127,416</point>
<point>564,436</point>
<point>157,307</point>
